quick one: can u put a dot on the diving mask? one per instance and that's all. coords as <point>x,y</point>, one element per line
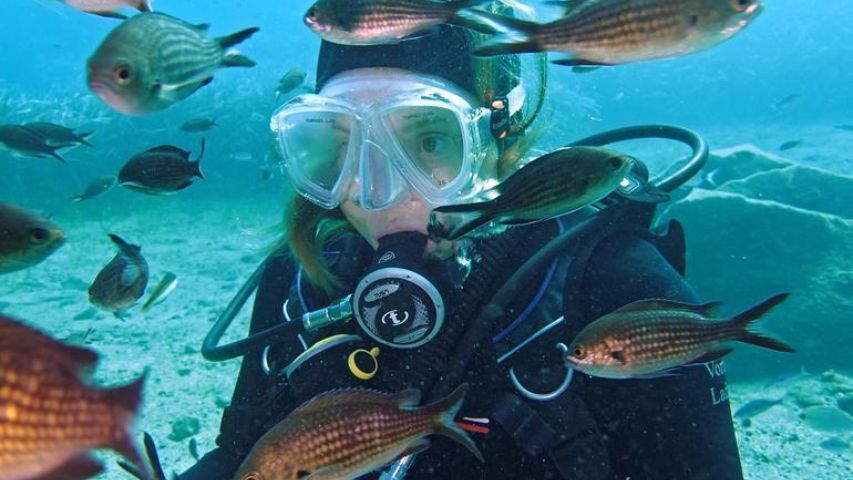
<point>421,132</point>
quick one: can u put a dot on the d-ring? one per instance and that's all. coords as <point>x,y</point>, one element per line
<point>544,397</point>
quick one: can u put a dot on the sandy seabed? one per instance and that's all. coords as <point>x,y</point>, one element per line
<point>213,249</point>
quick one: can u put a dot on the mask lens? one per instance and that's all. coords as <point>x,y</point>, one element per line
<point>315,146</point>
<point>381,183</point>
<point>432,141</point>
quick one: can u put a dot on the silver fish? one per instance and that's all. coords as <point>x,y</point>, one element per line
<point>198,125</point>
<point>609,32</point>
<point>153,60</point>
<point>122,281</point>
<point>96,187</point>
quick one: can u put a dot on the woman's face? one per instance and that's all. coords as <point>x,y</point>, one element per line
<point>412,211</point>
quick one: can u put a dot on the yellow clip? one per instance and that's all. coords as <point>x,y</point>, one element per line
<point>356,370</point>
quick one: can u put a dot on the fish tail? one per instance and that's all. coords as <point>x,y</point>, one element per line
<point>57,156</point>
<point>445,411</point>
<point>126,248</point>
<point>519,36</point>
<point>197,164</point>
<point>234,59</point>
<point>82,138</point>
<point>125,402</point>
<point>742,321</point>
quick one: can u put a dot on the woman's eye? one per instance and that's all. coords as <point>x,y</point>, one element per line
<point>430,144</point>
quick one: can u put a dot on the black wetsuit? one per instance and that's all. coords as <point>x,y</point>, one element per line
<point>676,427</point>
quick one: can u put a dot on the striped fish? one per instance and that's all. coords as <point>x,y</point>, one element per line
<point>609,32</point>
<point>374,22</point>
<point>161,170</point>
<point>51,416</point>
<point>122,281</point>
<point>551,185</point>
<point>649,338</point>
<point>154,60</point>
<point>343,434</point>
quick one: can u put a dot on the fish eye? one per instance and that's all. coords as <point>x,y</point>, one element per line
<point>252,476</point>
<point>123,74</point>
<point>39,235</point>
<point>312,13</point>
<point>615,162</point>
<point>578,352</point>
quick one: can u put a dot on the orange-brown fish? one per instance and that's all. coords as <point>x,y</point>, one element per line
<point>343,434</point>
<point>648,338</point>
<point>122,281</point>
<point>609,32</point>
<point>50,414</point>
<point>108,8</point>
<point>25,238</point>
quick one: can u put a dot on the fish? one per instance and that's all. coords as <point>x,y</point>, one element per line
<point>787,100</point>
<point>42,437</point>
<point>162,170</point>
<point>122,281</point>
<point>26,238</point>
<point>377,22</point>
<point>790,144</point>
<point>164,287</point>
<point>835,444</point>
<point>651,338</point>
<point>154,60</point>
<point>554,184</point>
<point>345,433</point>
<point>290,80</point>
<point>96,187</point>
<point>611,32</point>
<point>108,8</point>
<point>57,135</point>
<point>23,142</point>
<point>845,128</point>
<point>756,407</point>
<point>827,419</point>
<point>198,125</point>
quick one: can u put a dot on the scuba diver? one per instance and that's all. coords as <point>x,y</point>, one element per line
<point>394,132</point>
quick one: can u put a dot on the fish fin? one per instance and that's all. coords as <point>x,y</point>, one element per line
<point>200,154</point>
<point>57,156</point>
<point>237,60</point>
<point>445,411</point>
<point>166,285</point>
<point>461,224</point>
<point>578,62</point>
<point>81,137</point>
<point>329,472</point>
<point>144,6</point>
<point>180,91</point>
<point>407,399</point>
<point>415,448</point>
<point>704,309</point>
<point>169,149</point>
<point>742,321</point>
<point>236,37</point>
<point>517,35</point>
<point>126,248</point>
<point>585,68</point>
<point>473,20</point>
<point>670,372</point>
<point>108,14</point>
<point>710,356</point>
<point>125,402</point>
<point>202,27</point>
<point>78,467</point>
<point>619,356</point>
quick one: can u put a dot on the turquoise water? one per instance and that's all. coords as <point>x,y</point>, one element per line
<point>786,229</point>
